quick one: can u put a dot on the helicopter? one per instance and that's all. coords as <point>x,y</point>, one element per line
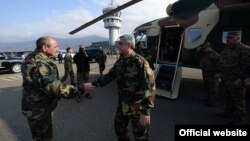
<point>173,40</point>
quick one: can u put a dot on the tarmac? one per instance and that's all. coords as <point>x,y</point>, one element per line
<point>92,120</point>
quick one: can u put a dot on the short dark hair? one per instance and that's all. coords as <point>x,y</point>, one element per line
<point>68,48</point>
<point>44,40</point>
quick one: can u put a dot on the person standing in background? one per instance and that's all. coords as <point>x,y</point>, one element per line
<point>60,57</point>
<point>68,60</point>
<point>210,62</point>
<point>235,70</point>
<point>101,59</point>
<point>81,60</point>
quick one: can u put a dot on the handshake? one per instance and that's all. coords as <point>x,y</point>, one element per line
<point>88,87</point>
<point>68,91</point>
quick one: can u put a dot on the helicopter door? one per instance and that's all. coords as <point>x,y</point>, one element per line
<point>168,68</point>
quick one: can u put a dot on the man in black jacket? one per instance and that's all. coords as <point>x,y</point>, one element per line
<point>81,60</point>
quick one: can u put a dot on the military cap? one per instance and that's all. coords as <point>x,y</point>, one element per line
<point>233,33</point>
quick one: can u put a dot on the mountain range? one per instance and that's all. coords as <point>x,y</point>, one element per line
<point>63,43</point>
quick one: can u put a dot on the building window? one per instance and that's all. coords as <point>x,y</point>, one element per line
<point>107,20</point>
<point>112,20</point>
<point>194,35</point>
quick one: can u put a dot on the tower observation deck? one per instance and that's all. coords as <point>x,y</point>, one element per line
<point>112,23</point>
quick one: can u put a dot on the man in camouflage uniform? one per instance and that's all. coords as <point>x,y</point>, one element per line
<point>210,62</point>
<point>101,59</point>
<point>135,80</point>
<point>42,88</point>
<point>11,55</point>
<point>142,50</point>
<point>68,60</point>
<point>236,61</point>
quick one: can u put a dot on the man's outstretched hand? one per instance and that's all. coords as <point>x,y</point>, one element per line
<point>88,87</point>
<point>144,119</point>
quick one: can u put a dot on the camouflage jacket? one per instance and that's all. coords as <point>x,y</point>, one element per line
<point>146,54</point>
<point>135,81</point>
<point>211,61</point>
<point>236,61</point>
<point>68,60</point>
<point>41,85</point>
<point>101,57</point>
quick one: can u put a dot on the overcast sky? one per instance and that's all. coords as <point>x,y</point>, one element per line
<point>23,20</point>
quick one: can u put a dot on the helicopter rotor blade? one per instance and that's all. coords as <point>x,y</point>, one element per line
<point>119,8</point>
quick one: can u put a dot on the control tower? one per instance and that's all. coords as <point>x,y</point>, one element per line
<point>112,23</point>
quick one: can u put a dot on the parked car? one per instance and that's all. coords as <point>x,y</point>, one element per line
<point>11,64</point>
<point>92,54</point>
<point>63,52</point>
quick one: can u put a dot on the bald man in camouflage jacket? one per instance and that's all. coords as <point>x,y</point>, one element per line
<point>42,88</point>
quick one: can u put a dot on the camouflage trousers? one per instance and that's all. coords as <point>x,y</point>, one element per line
<point>141,132</point>
<point>68,73</point>
<point>211,86</point>
<point>42,129</point>
<point>101,67</point>
<point>235,99</point>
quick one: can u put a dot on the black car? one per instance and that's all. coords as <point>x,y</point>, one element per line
<point>11,64</point>
<point>92,54</point>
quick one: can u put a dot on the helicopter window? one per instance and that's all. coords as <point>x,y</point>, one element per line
<point>141,36</point>
<point>194,35</point>
<point>224,35</point>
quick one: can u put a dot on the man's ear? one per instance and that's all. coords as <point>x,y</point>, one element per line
<point>44,48</point>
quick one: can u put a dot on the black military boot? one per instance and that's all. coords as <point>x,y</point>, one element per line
<point>73,83</point>
<point>211,104</point>
<point>78,99</point>
<point>88,96</point>
<point>224,115</point>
